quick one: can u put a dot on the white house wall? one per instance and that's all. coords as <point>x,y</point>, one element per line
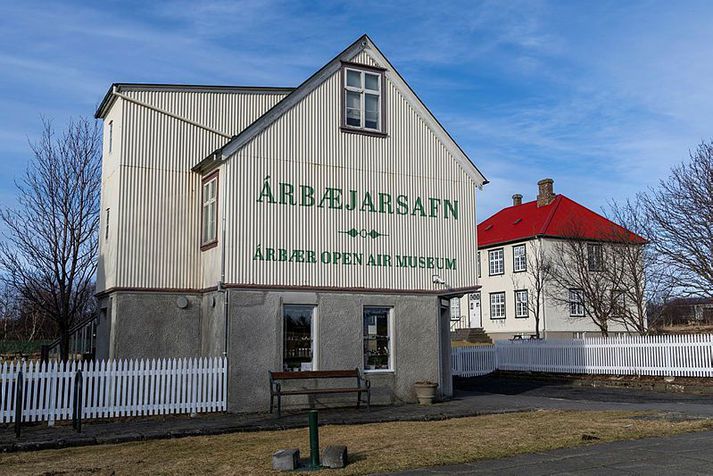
<point>306,146</point>
<point>157,221</point>
<point>555,320</point>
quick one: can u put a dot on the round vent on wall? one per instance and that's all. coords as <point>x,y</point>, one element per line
<point>181,302</point>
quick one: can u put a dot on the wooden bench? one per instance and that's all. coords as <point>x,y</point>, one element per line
<point>363,386</point>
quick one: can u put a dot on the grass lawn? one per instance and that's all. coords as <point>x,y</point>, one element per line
<point>372,447</point>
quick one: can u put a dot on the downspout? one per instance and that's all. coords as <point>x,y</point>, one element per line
<point>221,284</point>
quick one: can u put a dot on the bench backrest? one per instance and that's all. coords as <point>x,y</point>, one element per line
<point>314,374</point>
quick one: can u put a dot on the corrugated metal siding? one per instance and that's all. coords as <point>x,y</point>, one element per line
<point>306,146</point>
<point>159,210</point>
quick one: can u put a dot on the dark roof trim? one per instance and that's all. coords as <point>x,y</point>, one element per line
<point>194,88</point>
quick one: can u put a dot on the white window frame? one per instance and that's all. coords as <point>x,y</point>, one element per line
<point>363,91</point>
<point>207,203</point>
<point>576,302</point>
<point>479,267</point>
<point>498,316</point>
<point>520,303</point>
<point>390,329</point>
<point>492,260</point>
<point>519,262</point>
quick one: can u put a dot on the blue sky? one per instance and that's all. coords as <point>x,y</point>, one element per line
<point>601,96</point>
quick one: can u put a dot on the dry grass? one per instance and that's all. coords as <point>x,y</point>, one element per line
<point>372,447</point>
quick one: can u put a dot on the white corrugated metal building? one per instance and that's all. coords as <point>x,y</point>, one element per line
<point>321,227</point>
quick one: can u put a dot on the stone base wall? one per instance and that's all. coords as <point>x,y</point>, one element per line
<point>152,325</point>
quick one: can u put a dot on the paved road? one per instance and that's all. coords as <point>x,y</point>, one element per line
<point>687,454</point>
<point>516,393</point>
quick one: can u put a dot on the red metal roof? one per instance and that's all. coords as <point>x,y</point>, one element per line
<point>562,218</point>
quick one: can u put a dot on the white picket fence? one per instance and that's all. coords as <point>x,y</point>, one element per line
<point>670,355</point>
<point>115,388</point>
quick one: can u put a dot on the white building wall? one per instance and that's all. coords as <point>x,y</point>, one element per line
<point>555,320</point>
<point>306,146</point>
<point>150,185</point>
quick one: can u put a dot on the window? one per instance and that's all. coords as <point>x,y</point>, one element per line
<point>496,262</point>
<point>521,304</point>
<point>478,265</point>
<point>377,338</point>
<point>297,348</point>
<point>595,257</point>
<point>111,135</point>
<point>619,303</point>
<point>209,226</point>
<point>106,225</point>
<point>519,258</point>
<point>455,309</point>
<point>363,108</point>
<point>497,305</point>
<point>576,303</point>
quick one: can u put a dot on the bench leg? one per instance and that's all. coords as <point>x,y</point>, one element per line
<point>272,400</point>
<point>358,400</point>
<point>279,406</point>
<point>368,400</point>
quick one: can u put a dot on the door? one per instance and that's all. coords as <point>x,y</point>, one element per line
<point>476,315</point>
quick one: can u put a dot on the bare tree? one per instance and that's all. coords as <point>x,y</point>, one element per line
<point>587,276</point>
<point>647,278</point>
<point>680,211</point>
<point>535,279</point>
<point>50,247</point>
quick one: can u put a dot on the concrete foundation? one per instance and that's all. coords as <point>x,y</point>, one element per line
<point>151,325</point>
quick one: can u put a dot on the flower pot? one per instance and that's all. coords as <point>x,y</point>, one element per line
<point>425,392</point>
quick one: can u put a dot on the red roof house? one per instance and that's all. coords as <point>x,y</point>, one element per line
<point>553,216</point>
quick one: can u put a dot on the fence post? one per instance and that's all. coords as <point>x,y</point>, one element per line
<point>19,390</point>
<point>77,404</point>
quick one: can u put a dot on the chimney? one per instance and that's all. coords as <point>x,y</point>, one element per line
<point>516,200</point>
<point>546,193</point>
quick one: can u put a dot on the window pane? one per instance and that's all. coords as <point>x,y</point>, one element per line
<point>297,339</point>
<point>371,81</point>
<point>371,104</point>
<point>376,338</point>
<point>354,78</point>
<point>353,109</point>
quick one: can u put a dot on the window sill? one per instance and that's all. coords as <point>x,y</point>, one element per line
<point>496,274</point>
<point>209,245</point>
<point>497,318</point>
<point>379,371</point>
<point>366,132</point>
<point>522,317</point>
<point>519,270</point>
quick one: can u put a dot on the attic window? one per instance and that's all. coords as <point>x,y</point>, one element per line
<point>489,227</point>
<point>363,102</point>
<point>517,221</point>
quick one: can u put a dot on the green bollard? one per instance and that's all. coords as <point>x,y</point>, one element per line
<point>313,439</point>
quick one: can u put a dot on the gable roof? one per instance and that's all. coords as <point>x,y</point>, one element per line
<point>314,81</point>
<point>562,218</point>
